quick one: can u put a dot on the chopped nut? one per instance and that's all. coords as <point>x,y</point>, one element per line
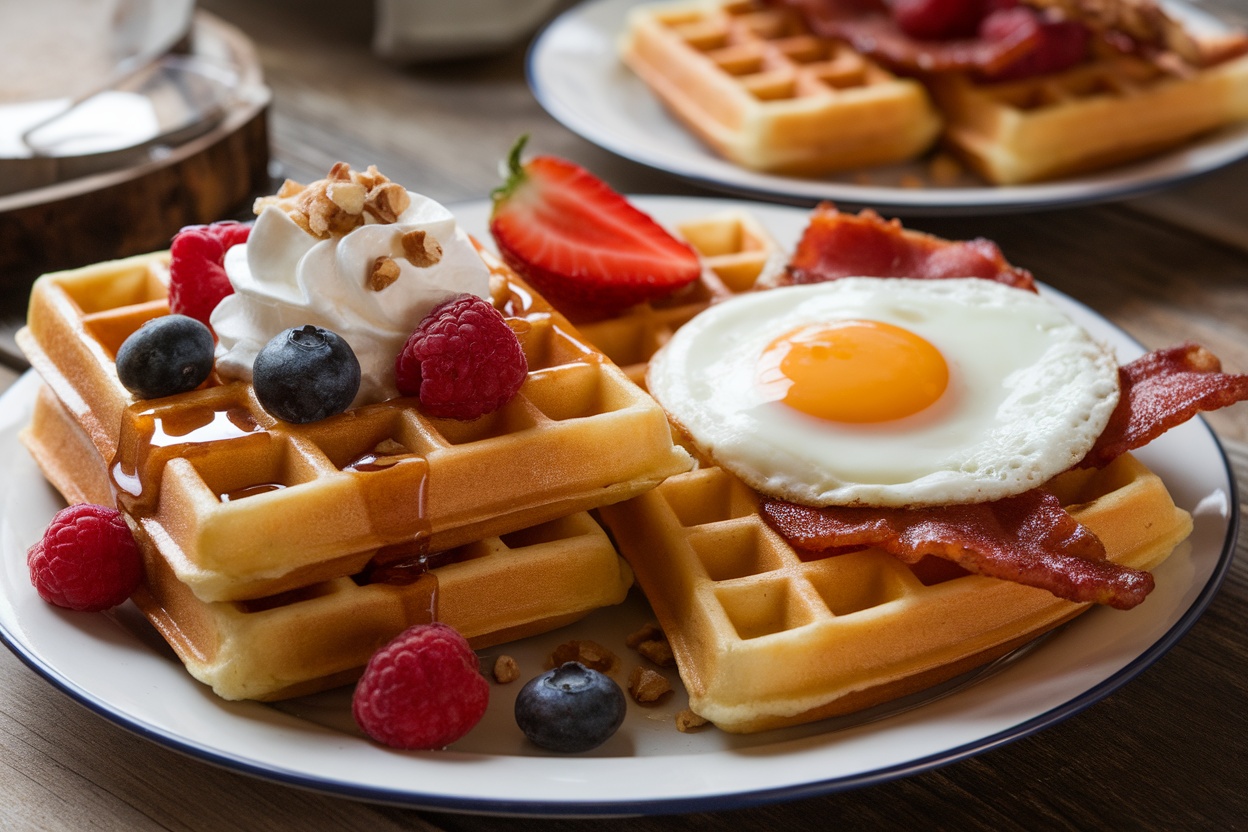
<point>349,196</point>
<point>324,217</point>
<point>340,172</point>
<point>687,721</point>
<point>289,188</point>
<point>657,651</point>
<point>506,670</point>
<point>420,249</point>
<point>386,201</point>
<point>371,178</point>
<point>385,271</point>
<point>390,447</point>
<point>647,686</point>
<point>337,204</point>
<point>648,632</point>
<point>589,653</point>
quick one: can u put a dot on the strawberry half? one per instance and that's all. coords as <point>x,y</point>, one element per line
<point>580,243</point>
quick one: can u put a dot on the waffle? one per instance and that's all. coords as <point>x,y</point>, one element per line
<point>759,89</point>
<point>244,507</point>
<point>737,254</point>
<point>765,639</point>
<point>321,635</point>
<point>1113,109</point>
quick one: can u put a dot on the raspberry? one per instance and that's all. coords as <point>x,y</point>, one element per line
<point>423,690</point>
<point>197,279</point>
<point>463,361</point>
<point>87,559</point>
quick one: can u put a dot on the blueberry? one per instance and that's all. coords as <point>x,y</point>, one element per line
<point>571,708</point>
<point>305,374</point>
<point>167,355</point>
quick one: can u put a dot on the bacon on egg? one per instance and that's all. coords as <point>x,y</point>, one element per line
<point>1028,539</point>
<point>1160,390</point>
<point>837,244</point>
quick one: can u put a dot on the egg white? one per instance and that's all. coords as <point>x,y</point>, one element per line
<point>1029,393</point>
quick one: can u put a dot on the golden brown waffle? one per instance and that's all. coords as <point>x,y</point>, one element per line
<point>244,506</point>
<point>737,255</point>
<point>765,639</point>
<point>755,85</point>
<point>321,635</point>
<point>1110,110</point>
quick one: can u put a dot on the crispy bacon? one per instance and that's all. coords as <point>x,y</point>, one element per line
<point>1022,38</point>
<point>836,244</point>
<point>871,30</point>
<point>1028,539</point>
<point>1160,390</point>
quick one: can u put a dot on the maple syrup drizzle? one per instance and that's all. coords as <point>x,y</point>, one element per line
<point>405,563</point>
<point>250,491</point>
<point>149,439</point>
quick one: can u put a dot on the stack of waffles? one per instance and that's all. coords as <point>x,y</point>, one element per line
<point>766,636</point>
<point>755,85</point>
<point>1114,109</point>
<point>753,82</point>
<point>279,557</point>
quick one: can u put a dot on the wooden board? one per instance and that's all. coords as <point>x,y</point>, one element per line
<point>138,209</point>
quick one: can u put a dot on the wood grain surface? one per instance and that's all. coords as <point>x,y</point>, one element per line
<point>1165,752</point>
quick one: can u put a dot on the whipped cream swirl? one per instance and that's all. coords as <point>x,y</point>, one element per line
<point>285,277</point>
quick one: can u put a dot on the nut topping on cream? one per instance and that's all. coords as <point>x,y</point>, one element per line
<point>353,253</point>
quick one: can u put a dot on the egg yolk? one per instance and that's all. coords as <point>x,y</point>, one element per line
<point>854,371</point>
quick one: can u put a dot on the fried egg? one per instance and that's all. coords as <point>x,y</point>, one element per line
<point>888,392</point>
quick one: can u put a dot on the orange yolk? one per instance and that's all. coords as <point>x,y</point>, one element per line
<point>854,371</point>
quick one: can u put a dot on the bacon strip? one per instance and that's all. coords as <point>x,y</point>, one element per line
<point>871,30</point>
<point>1028,539</point>
<point>836,245</point>
<point>1160,390</point>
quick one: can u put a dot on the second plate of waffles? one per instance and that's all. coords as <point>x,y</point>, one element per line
<point>648,766</point>
<point>576,73</point>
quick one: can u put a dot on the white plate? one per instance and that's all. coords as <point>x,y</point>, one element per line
<point>125,674</point>
<point>577,77</point>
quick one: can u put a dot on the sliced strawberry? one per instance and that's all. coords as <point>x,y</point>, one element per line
<point>581,244</point>
<point>197,279</point>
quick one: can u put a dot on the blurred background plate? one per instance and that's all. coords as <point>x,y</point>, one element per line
<point>577,76</point>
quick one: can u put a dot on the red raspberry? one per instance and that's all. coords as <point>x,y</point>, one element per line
<point>197,280</point>
<point>87,559</point>
<point>463,361</point>
<point>423,690</point>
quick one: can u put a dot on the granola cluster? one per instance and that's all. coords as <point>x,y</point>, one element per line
<point>343,201</point>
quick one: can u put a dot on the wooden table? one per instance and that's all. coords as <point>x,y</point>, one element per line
<point>1164,752</point>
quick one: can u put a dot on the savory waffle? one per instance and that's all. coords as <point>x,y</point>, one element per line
<point>737,254</point>
<point>764,638</point>
<point>756,86</point>
<point>1110,110</point>
<point>244,506</point>
<point>321,635</point>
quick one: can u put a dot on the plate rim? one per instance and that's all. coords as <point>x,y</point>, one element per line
<point>707,801</point>
<point>1123,182</point>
